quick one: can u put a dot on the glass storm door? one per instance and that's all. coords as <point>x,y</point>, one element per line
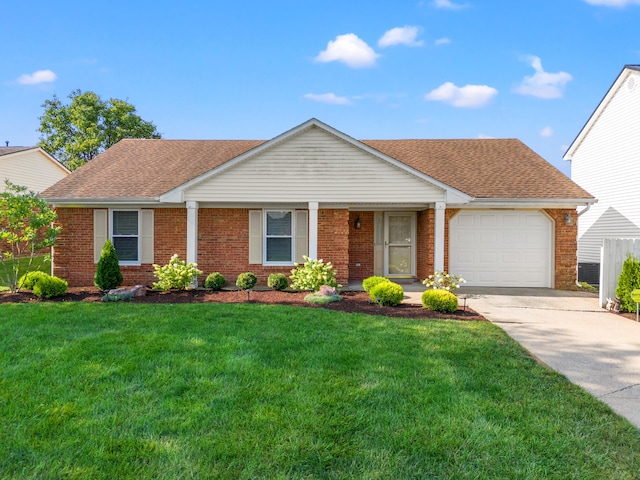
<point>399,243</point>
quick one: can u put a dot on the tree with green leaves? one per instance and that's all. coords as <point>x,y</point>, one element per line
<point>77,132</point>
<point>26,228</point>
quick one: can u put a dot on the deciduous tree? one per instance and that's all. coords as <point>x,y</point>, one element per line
<point>77,132</point>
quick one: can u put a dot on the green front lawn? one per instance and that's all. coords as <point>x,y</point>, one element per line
<point>112,391</point>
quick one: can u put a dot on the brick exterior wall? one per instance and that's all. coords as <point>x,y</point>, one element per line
<point>361,248</point>
<point>223,245</point>
<point>566,249</point>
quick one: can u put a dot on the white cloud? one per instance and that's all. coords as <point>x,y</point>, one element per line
<point>482,136</point>
<point>546,132</point>
<point>350,50</point>
<point>469,96</point>
<point>613,3</point>
<point>448,4</point>
<point>443,41</point>
<point>401,36</point>
<point>330,98</point>
<point>543,84</point>
<point>41,76</point>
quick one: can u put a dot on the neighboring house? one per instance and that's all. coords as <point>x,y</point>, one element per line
<point>605,160</point>
<point>30,167</point>
<point>490,210</point>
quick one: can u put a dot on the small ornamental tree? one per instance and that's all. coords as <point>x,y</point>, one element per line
<point>26,228</point>
<point>108,273</point>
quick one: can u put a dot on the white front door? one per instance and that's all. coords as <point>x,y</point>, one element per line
<point>399,244</point>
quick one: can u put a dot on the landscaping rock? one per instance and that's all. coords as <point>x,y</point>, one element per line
<point>125,293</point>
<point>327,291</point>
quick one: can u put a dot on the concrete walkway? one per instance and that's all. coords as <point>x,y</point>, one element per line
<point>569,332</point>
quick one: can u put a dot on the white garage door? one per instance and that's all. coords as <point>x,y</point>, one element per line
<point>501,248</point>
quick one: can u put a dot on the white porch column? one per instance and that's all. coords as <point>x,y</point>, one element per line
<point>438,237</point>
<point>313,230</point>
<point>192,232</point>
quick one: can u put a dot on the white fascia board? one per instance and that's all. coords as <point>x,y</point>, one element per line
<point>622,76</point>
<point>529,203</point>
<point>176,194</point>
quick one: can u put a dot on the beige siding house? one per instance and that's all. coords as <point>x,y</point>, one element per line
<point>605,161</point>
<point>490,210</point>
<point>30,167</point>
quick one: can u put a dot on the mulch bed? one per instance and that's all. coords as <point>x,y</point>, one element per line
<point>352,302</point>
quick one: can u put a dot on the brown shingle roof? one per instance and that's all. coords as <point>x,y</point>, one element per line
<point>484,168</point>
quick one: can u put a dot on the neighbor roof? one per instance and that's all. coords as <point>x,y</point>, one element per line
<point>10,150</point>
<point>482,168</point>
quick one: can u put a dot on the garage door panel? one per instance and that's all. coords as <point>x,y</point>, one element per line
<point>501,248</point>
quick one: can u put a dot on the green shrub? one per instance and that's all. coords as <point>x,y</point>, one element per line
<point>312,275</point>
<point>108,275</point>
<point>317,299</point>
<point>246,281</point>
<point>628,281</point>
<point>49,287</point>
<point>440,301</point>
<point>177,274</point>
<point>215,281</point>
<point>369,283</point>
<point>278,281</point>
<point>388,293</point>
<point>29,280</point>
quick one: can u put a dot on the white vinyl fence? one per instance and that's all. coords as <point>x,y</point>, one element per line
<point>613,254</point>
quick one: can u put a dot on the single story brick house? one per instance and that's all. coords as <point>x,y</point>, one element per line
<point>490,210</point>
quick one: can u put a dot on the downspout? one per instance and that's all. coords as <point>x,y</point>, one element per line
<point>585,210</point>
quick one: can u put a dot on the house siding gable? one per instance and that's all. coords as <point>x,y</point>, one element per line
<point>607,165</point>
<point>31,169</point>
<point>315,166</point>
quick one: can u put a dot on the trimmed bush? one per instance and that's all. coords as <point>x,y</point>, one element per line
<point>177,274</point>
<point>388,293</point>
<point>29,280</point>
<point>440,301</point>
<point>50,287</point>
<point>108,275</point>
<point>277,281</point>
<point>246,281</point>
<point>215,281</point>
<point>312,275</point>
<point>369,283</point>
<point>628,281</point>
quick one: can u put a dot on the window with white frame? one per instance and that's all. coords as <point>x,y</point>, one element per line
<point>125,235</point>
<point>279,237</point>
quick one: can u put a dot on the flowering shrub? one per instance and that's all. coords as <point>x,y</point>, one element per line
<point>246,281</point>
<point>176,274</point>
<point>443,281</point>
<point>440,301</point>
<point>387,293</point>
<point>312,275</point>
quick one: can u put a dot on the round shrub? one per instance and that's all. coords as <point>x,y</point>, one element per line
<point>29,280</point>
<point>440,301</point>
<point>387,293</point>
<point>278,281</point>
<point>246,281</point>
<point>215,281</point>
<point>49,287</point>
<point>369,283</point>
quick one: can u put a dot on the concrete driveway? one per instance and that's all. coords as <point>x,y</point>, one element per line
<point>598,350</point>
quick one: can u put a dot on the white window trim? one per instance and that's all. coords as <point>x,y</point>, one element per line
<point>129,263</point>
<point>292,236</point>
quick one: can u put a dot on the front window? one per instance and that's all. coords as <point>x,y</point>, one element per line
<point>278,237</point>
<point>124,235</point>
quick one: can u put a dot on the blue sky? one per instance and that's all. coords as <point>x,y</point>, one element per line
<point>529,69</point>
